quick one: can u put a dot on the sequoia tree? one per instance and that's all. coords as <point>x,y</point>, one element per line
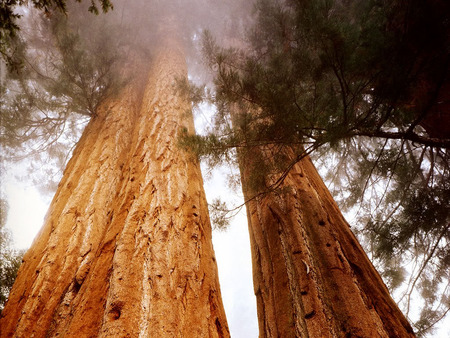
<point>311,276</point>
<point>126,246</point>
<point>313,75</point>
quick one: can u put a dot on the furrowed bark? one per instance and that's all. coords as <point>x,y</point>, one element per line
<point>126,247</point>
<point>311,276</point>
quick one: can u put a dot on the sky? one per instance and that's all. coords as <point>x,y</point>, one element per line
<point>27,208</point>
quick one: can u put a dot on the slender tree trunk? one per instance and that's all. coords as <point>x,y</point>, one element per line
<point>311,276</point>
<point>126,247</point>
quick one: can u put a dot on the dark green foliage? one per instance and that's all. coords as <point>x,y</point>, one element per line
<point>85,73</point>
<point>70,66</point>
<point>10,29</point>
<point>10,259</point>
<point>9,26</point>
<point>9,265</point>
<point>9,41</point>
<point>360,86</point>
<point>319,71</point>
<point>398,192</point>
<point>64,74</point>
<point>218,211</point>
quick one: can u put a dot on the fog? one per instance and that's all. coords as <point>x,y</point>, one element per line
<point>138,27</point>
<point>125,39</point>
<point>128,35</point>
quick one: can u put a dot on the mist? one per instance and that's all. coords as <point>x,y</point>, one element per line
<point>124,39</point>
<point>66,53</point>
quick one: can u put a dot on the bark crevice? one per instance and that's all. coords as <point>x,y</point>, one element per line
<point>121,252</point>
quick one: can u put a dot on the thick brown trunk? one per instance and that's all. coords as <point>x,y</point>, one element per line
<point>126,247</point>
<point>311,276</point>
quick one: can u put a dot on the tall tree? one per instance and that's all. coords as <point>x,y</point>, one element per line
<point>315,76</point>
<point>311,276</point>
<point>126,245</point>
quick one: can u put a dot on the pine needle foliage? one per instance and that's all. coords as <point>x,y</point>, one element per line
<point>10,37</point>
<point>361,86</point>
<point>10,259</point>
<point>65,74</point>
<point>67,69</point>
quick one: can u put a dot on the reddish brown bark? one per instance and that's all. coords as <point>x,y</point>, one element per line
<point>437,120</point>
<point>126,247</point>
<point>311,276</point>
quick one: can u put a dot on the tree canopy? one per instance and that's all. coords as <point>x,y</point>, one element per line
<point>10,39</point>
<point>67,67</point>
<point>362,86</point>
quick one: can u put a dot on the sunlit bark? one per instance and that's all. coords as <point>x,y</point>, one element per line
<point>126,247</point>
<point>311,276</point>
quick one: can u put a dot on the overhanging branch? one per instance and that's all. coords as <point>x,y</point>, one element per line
<point>413,137</point>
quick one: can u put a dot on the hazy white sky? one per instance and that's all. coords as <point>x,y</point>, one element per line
<point>26,212</point>
<point>27,209</point>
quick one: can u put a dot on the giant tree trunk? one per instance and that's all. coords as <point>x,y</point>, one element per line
<point>126,247</point>
<point>311,276</point>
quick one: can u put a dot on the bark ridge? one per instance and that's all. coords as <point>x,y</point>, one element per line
<point>126,247</point>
